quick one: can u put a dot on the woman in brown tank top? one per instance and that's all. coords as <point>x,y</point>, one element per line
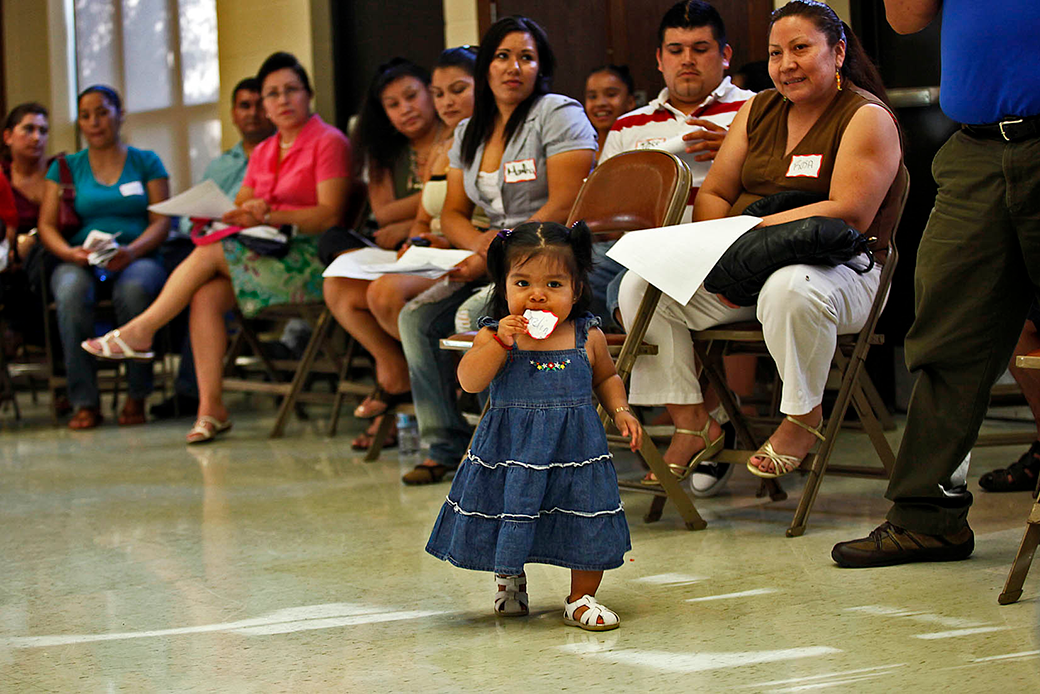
<point>822,130</point>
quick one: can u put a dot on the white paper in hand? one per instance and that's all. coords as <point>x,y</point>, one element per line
<point>203,201</point>
<point>540,324</point>
<point>676,259</point>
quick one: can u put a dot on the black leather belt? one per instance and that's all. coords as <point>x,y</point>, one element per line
<point>1009,130</point>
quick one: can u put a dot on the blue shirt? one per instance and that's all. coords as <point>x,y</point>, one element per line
<point>990,60</point>
<point>227,171</point>
<point>121,207</point>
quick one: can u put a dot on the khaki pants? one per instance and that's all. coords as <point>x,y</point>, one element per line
<point>978,269</point>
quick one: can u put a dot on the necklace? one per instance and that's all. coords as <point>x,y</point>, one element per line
<point>286,145</point>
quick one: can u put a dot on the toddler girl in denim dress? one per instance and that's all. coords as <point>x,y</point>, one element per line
<point>538,482</point>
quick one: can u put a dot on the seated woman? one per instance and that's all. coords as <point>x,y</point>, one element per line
<point>522,156</point>
<point>826,112</point>
<point>609,94</point>
<point>397,135</point>
<point>300,176</point>
<point>452,91</point>
<point>114,184</point>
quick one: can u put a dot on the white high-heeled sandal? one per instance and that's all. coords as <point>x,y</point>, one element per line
<point>511,599</point>
<point>589,619</point>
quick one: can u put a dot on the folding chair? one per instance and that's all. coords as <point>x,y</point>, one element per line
<point>1020,567</point>
<point>635,190</point>
<point>285,378</point>
<point>290,378</point>
<point>847,371</point>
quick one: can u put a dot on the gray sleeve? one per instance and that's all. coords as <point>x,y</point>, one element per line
<point>455,153</point>
<point>564,125</point>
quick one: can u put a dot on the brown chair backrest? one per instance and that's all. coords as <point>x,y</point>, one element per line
<point>635,190</point>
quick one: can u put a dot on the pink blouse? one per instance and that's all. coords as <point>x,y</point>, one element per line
<point>320,152</point>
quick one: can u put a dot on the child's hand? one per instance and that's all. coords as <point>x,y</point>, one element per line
<point>628,425</point>
<point>510,326</point>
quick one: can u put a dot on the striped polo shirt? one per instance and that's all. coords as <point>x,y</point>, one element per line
<point>659,125</point>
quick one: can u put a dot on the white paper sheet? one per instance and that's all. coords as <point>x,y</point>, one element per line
<point>676,259</point>
<point>204,201</point>
<point>358,264</point>
<point>370,263</point>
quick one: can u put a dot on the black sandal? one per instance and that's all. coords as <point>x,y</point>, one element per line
<point>1020,476</point>
<point>390,400</point>
<point>426,474</point>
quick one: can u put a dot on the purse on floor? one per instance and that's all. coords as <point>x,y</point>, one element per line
<point>747,264</point>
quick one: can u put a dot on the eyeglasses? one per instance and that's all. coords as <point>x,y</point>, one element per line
<point>289,92</point>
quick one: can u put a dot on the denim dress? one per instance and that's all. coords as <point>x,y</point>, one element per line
<point>538,482</point>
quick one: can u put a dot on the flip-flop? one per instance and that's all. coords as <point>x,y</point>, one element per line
<point>103,349</point>
<point>206,429</point>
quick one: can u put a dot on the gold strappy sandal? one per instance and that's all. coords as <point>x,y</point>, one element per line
<point>683,471</point>
<point>782,463</point>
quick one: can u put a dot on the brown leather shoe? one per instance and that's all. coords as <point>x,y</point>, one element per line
<point>86,418</point>
<point>889,544</point>
<point>425,474</point>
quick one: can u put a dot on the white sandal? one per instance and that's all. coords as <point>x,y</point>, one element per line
<point>104,351</point>
<point>782,462</point>
<point>589,620</point>
<point>206,429</point>
<point>511,598</point>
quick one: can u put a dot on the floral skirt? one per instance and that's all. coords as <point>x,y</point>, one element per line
<point>261,281</point>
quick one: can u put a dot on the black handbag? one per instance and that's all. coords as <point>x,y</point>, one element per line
<point>747,264</point>
<point>265,240</point>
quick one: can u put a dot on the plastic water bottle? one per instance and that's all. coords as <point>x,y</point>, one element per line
<point>409,448</point>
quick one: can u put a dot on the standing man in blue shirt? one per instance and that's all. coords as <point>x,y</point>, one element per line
<point>227,171</point>
<point>978,269</point>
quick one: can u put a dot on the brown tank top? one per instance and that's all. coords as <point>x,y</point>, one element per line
<point>809,166</point>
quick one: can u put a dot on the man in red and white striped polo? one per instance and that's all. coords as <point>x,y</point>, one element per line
<point>690,116</point>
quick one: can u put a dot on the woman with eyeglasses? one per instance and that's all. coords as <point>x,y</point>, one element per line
<point>300,176</point>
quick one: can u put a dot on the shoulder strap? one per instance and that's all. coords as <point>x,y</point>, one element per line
<point>582,325</point>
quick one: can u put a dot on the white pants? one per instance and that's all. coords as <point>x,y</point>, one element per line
<point>802,308</point>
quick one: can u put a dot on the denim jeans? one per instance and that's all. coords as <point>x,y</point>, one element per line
<point>75,292</point>
<point>423,322</point>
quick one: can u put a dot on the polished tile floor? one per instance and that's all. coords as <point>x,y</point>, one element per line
<point>131,562</point>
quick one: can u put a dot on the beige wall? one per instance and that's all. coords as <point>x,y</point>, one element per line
<point>460,23</point>
<point>250,30</point>
<point>31,28</point>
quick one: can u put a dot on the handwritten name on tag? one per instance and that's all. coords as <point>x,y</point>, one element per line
<point>651,143</point>
<point>807,165</point>
<point>520,170</point>
<point>131,188</point>
<point>540,324</point>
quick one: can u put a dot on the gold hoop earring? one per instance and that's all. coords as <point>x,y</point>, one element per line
<point>837,76</point>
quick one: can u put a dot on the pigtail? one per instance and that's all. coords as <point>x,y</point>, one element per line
<point>498,268</point>
<point>579,237</point>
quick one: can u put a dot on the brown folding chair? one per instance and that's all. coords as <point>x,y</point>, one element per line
<point>1020,567</point>
<point>847,372</point>
<point>635,190</point>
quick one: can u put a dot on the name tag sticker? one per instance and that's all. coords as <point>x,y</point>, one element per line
<point>651,143</point>
<point>131,188</point>
<point>807,165</point>
<point>520,170</point>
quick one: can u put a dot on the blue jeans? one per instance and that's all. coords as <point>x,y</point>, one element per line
<point>75,295</point>
<point>423,322</point>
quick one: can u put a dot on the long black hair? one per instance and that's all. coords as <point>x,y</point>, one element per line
<point>376,141</point>
<point>858,67</point>
<point>15,117</point>
<point>482,124</point>
<point>464,57</point>
<point>511,247</point>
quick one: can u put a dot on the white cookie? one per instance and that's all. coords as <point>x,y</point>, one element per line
<point>540,324</point>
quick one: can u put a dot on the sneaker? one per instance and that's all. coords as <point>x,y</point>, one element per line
<point>889,544</point>
<point>709,478</point>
